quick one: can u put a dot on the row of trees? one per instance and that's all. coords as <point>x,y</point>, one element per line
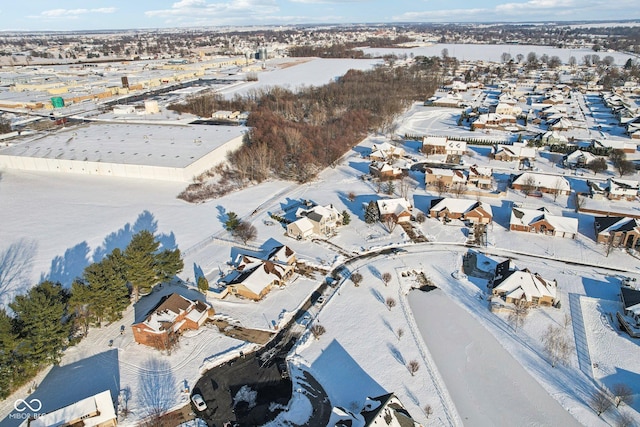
<point>296,134</point>
<point>49,317</point>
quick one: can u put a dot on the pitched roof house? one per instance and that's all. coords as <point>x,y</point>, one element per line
<point>540,221</point>
<point>255,274</point>
<point>508,153</point>
<point>617,189</point>
<point>545,183</point>
<point>323,221</point>
<point>631,303</point>
<point>385,151</point>
<point>481,177</point>
<point>448,177</point>
<point>578,159</point>
<point>443,145</point>
<point>463,209</point>
<point>384,170</point>
<point>619,231</point>
<point>399,208</point>
<point>514,285</point>
<point>164,323</point>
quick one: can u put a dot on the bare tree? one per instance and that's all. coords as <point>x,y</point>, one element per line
<point>428,410</point>
<point>391,221</point>
<point>600,401</point>
<point>404,187</point>
<point>318,330</point>
<point>440,187</point>
<point>386,278</point>
<point>245,232</point>
<point>625,420</point>
<point>556,345</point>
<point>622,393</point>
<point>400,333</point>
<point>528,185</point>
<point>557,189</point>
<point>390,302</point>
<point>578,201</point>
<point>351,196</point>
<point>518,314</point>
<point>356,278</point>
<point>567,320</point>
<point>597,165</point>
<point>413,366</point>
<point>458,189</point>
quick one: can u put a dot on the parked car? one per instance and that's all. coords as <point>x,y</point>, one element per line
<point>320,300</point>
<point>199,402</point>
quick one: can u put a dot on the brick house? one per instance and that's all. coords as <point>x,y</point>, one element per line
<point>163,324</point>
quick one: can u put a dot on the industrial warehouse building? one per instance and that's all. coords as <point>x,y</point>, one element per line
<point>170,152</point>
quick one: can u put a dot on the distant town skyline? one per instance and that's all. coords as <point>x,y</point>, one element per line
<point>68,15</point>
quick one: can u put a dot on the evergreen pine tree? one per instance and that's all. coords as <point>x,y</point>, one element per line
<point>40,318</point>
<point>346,218</point>
<point>232,221</point>
<point>371,213</point>
<point>203,284</point>
<point>8,341</point>
<point>168,264</point>
<point>139,259</point>
<point>80,306</point>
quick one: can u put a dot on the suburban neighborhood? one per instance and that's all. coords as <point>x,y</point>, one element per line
<point>472,260</point>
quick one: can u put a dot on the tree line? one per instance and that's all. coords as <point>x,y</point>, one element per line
<point>294,135</point>
<point>49,317</point>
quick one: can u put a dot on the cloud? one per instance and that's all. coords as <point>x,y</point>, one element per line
<point>197,11</point>
<point>72,13</point>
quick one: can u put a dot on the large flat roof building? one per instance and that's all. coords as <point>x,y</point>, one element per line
<point>151,151</point>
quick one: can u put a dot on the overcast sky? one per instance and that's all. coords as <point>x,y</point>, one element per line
<point>120,14</point>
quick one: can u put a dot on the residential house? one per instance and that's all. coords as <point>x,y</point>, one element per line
<point>515,285</point>
<point>631,304</point>
<point>385,410</point>
<point>618,231</point>
<point>515,152</point>
<point>449,177</point>
<point>553,137</point>
<point>472,211</point>
<point>544,183</point>
<point>443,145</point>
<point>399,209</point>
<point>578,159</point>
<point>386,152</point>
<point>540,221</point>
<point>164,323</point>
<point>617,189</point>
<point>256,273</point>
<point>94,411</point>
<point>495,121</point>
<point>450,100</point>
<point>384,170</point>
<point>509,109</point>
<point>559,124</point>
<point>324,220</point>
<point>480,177</point>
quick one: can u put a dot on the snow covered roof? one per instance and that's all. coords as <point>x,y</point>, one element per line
<point>438,141</point>
<point>580,156</point>
<point>125,143</point>
<point>613,224</point>
<point>456,174</point>
<point>544,181</point>
<point>92,411</point>
<point>457,205</point>
<point>524,283</point>
<point>522,216</point>
<point>163,316</point>
<point>393,206</point>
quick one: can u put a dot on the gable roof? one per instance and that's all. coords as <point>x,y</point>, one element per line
<point>162,317</point>
<point>608,224</point>
<point>544,181</point>
<point>630,299</point>
<point>522,216</point>
<point>393,206</point>
<point>523,283</point>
